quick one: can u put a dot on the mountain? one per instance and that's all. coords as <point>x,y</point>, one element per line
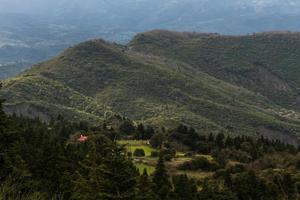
<point>165,78</point>
<point>32,31</point>
<point>265,63</point>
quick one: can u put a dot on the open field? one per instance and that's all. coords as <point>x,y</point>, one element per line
<point>132,145</point>
<point>149,162</point>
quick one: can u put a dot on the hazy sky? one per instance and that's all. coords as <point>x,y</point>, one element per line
<point>45,6</point>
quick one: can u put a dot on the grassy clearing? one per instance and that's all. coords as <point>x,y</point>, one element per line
<point>132,145</point>
<point>142,166</point>
<point>149,163</point>
<point>208,157</point>
<point>198,175</point>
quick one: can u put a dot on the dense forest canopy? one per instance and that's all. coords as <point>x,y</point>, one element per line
<point>63,160</point>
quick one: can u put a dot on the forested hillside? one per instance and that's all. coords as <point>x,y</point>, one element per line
<point>63,160</point>
<point>265,63</point>
<point>163,78</point>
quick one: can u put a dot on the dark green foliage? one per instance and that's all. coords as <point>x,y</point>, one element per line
<point>248,186</point>
<point>46,161</point>
<point>263,63</point>
<point>119,176</point>
<point>187,136</point>
<point>154,154</point>
<point>127,128</point>
<point>144,133</point>
<point>184,188</point>
<point>199,81</point>
<point>144,188</point>
<point>214,191</point>
<point>168,153</point>
<point>139,153</point>
<point>162,185</point>
<point>200,163</point>
<point>157,140</point>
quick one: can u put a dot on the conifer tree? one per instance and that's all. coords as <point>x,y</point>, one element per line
<point>145,188</point>
<point>140,132</point>
<point>161,180</point>
<point>112,177</point>
<point>184,189</point>
<point>119,176</point>
<point>88,183</point>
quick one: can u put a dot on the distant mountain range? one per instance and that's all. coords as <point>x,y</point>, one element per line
<point>34,30</point>
<point>242,85</point>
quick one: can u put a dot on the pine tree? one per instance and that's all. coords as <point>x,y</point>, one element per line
<point>112,177</point>
<point>140,132</point>
<point>184,189</point>
<point>119,176</point>
<point>161,180</point>
<point>213,191</point>
<point>220,140</point>
<point>145,188</point>
<point>88,183</point>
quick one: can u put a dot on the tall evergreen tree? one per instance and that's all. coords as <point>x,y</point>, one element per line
<point>161,180</point>
<point>145,188</point>
<point>112,177</point>
<point>119,176</point>
<point>88,183</point>
<point>184,188</point>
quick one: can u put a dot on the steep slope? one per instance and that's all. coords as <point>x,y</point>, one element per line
<point>266,63</point>
<point>96,79</point>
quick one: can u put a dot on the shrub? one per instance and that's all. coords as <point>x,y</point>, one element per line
<point>154,154</point>
<point>139,153</point>
<point>200,163</point>
<point>129,154</point>
<point>168,154</point>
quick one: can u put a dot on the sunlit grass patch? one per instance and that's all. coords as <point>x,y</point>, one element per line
<point>141,167</point>
<point>132,145</point>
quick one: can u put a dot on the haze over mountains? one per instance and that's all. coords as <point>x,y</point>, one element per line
<point>33,30</point>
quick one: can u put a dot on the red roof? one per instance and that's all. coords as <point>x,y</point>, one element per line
<point>82,138</point>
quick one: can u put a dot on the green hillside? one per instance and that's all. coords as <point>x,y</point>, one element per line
<point>157,81</point>
<point>266,63</point>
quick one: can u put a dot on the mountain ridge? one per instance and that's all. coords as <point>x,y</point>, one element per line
<point>97,79</point>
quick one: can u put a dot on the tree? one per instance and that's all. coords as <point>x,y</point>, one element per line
<point>141,132</point>
<point>118,176</point>
<point>162,185</point>
<point>145,188</point>
<point>184,189</point>
<point>88,184</point>
<point>139,153</point>
<point>106,174</point>
<point>220,140</point>
<point>149,132</point>
<point>127,128</point>
<point>213,191</point>
<point>157,140</point>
